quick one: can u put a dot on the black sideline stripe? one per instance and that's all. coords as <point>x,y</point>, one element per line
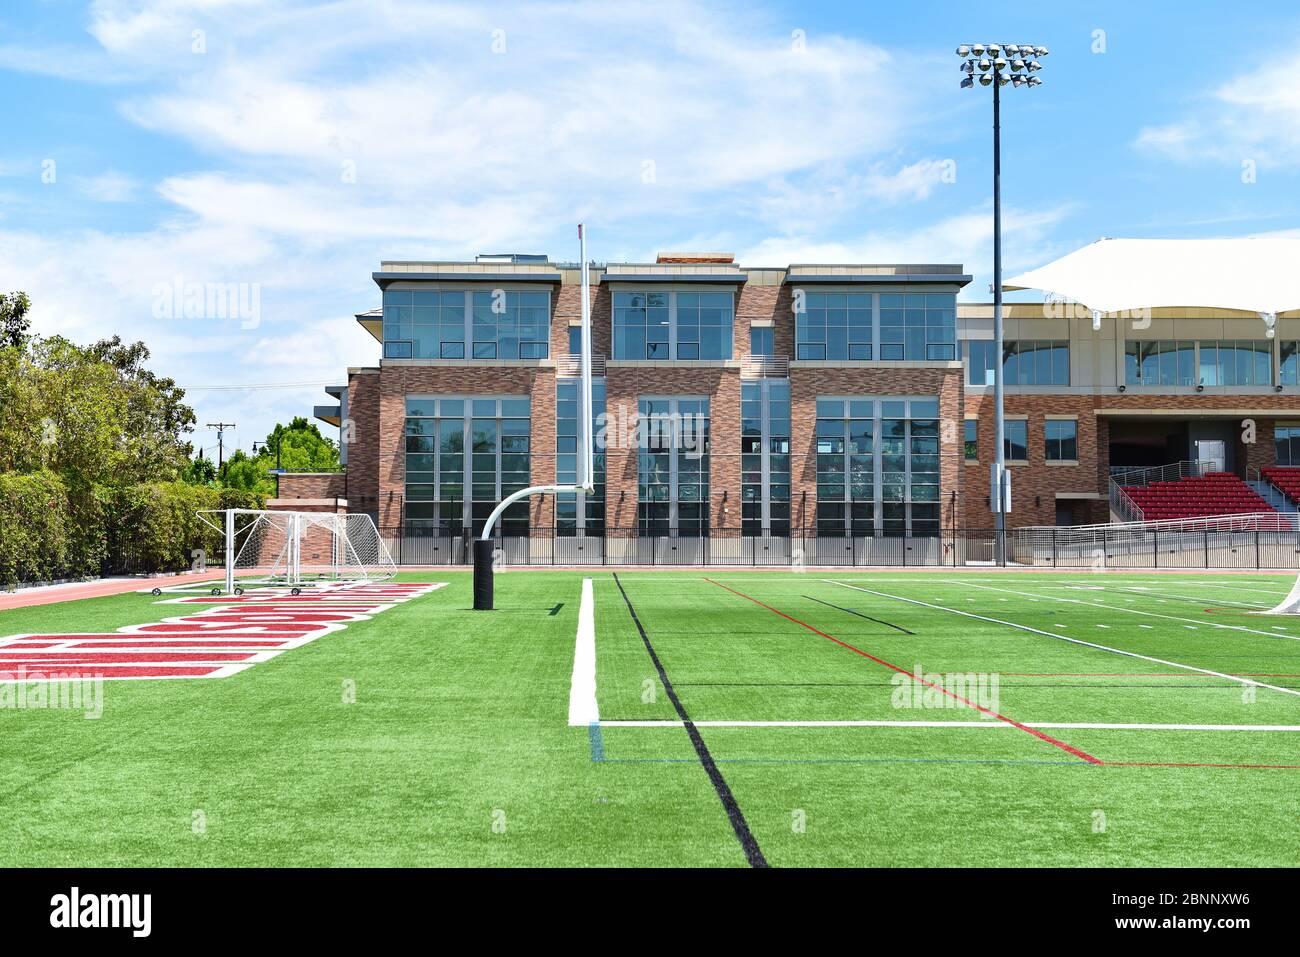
<point>753,854</point>
<point>851,611</point>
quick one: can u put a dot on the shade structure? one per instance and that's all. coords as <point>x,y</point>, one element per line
<point>1259,274</point>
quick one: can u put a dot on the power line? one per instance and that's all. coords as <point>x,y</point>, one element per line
<point>258,386</point>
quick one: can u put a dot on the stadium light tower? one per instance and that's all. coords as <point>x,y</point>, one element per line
<point>996,65</point>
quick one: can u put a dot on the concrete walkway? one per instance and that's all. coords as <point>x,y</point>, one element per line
<point>72,591</point>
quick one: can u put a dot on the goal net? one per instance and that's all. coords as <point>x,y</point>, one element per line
<point>274,548</point>
<point>1290,604</point>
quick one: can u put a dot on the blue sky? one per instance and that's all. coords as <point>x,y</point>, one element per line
<point>288,146</point>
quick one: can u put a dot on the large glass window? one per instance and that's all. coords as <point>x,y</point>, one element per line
<point>838,326</point>
<point>877,466</point>
<point>424,324</point>
<point>459,324</point>
<point>1024,362</point>
<point>1287,439</point>
<point>681,325</point>
<point>1289,369</point>
<point>454,443</point>
<point>1062,440</point>
<point>834,326</point>
<point>578,512</point>
<point>1015,440</point>
<point>918,326</point>
<point>1245,362</point>
<point>765,457</point>
<point>1160,362</point>
<point>673,466</point>
<point>511,325</point>
<point>762,341</point>
<point>1212,363</point>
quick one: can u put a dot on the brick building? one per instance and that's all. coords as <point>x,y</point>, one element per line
<point>740,401</point>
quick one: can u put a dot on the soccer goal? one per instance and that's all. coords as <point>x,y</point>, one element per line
<point>293,550</point>
<point>1290,604</point>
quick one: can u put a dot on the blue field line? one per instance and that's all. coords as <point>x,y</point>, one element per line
<point>833,761</point>
<point>596,740</point>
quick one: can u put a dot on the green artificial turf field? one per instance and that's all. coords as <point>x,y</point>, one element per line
<point>436,735</point>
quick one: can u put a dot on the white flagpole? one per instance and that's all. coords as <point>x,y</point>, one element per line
<point>587,459</point>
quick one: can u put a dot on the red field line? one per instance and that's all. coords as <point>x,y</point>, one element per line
<point>1198,764</point>
<point>903,671</point>
<point>9,662</point>
<point>179,643</point>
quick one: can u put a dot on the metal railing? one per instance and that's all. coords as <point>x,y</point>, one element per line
<point>1250,540</point>
<point>1259,540</point>
<point>1122,504</point>
<point>570,364</point>
<point>765,367</point>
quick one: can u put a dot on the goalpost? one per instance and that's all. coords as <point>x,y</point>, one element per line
<point>1290,605</point>
<point>268,548</point>
<point>586,452</point>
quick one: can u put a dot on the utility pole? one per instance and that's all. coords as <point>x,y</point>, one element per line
<point>221,440</point>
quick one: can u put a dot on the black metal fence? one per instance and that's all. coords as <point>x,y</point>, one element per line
<point>953,548</point>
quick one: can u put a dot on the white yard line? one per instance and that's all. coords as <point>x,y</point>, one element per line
<point>582,689</point>
<point>1146,590</point>
<point>1078,725</point>
<point>1073,641</point>
<point>1135,611</point>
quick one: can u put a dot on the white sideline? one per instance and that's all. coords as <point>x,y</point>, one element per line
<point>1135,611</point>
<point>951,724</point>
<point>583,709</point>
<point>1074,641</point>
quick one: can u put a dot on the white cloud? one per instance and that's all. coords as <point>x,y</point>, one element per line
<point>965,238</point>
<point>108,187</point>
<point>1252,116</point>
<point>330,135</point>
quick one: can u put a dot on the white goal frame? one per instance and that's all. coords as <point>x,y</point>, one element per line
<point>298,549</point>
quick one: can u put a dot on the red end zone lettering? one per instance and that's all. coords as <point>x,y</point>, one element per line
<point>225,636</point>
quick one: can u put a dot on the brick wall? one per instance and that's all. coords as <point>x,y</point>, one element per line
<point>313,485</point>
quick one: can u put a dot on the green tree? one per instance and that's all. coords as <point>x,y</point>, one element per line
<point>248,474</point>
<point>13,319</point>
<point>94,415</point>
<point>301,447</point>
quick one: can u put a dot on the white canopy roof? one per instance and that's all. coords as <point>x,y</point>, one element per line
<point>1115,275</point>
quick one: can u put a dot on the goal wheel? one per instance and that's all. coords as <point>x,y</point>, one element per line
<point>295,591</point>
<point>156,592</point>
<point>216,591</point>
<point>238,590</point>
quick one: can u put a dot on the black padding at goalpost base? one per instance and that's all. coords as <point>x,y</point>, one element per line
<point>483,551</point>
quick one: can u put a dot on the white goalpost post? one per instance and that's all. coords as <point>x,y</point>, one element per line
<point>295,550</point>
<point>586,452</point>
